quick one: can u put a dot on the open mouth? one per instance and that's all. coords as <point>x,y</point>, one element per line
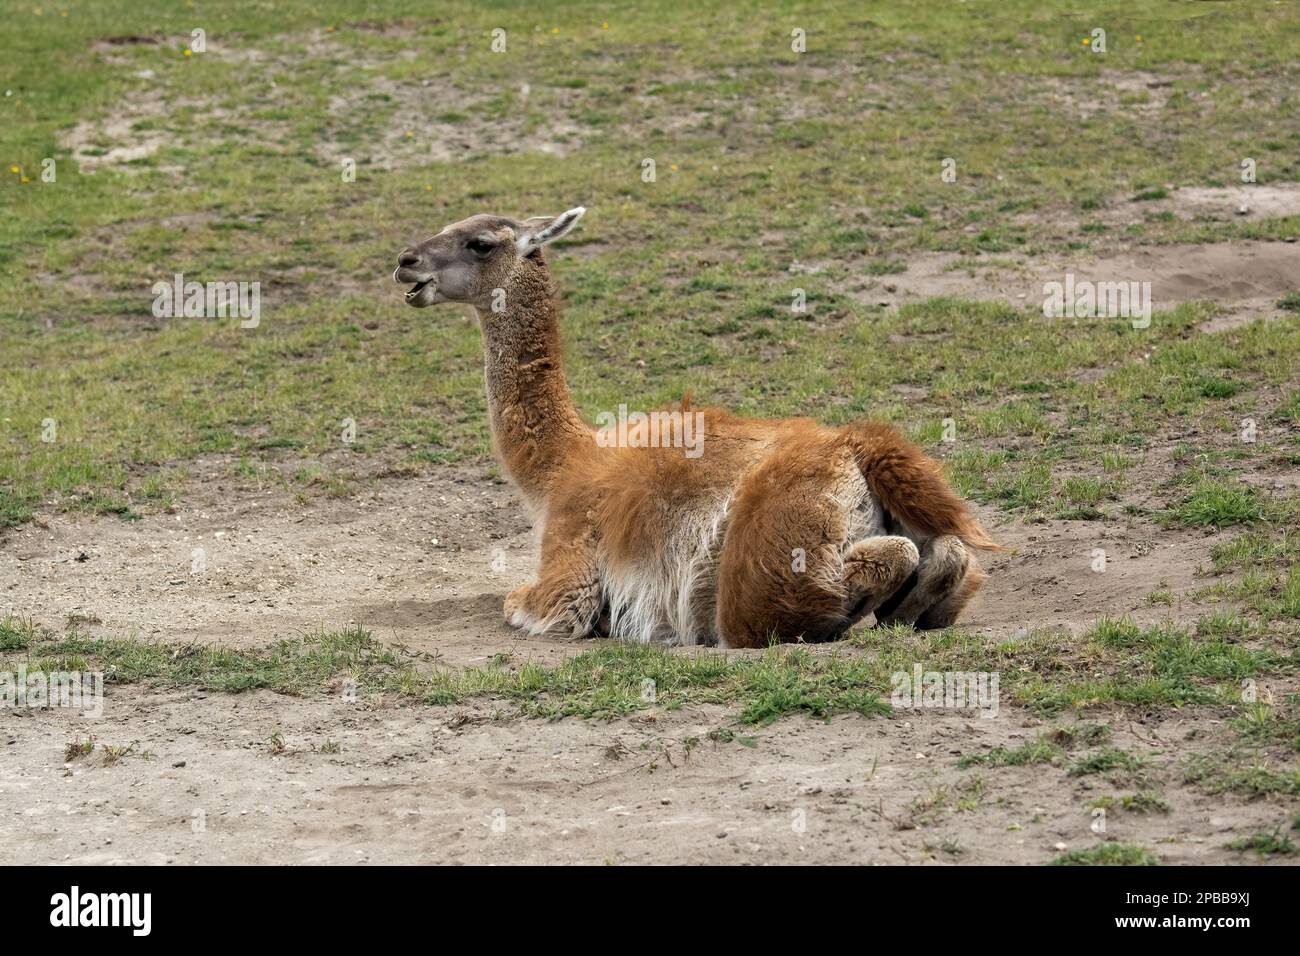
<point>417,288</point>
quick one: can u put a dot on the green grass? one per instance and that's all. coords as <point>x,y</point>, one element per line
<point>1049,748</point>
<point>1263,723</point>
<point>1073,736</point>
<point>1154,666</point>
<point>1149,194</point>
<point>76,749</point>
<point>1108,854</point>
<point>15,634</point>
<point>1106,761</point>
<point>1246,772</point>
<point>1162,595</point>
<point>1274,843</point>
<point>1035,751</point>
<point>133,396</point>
<point>608,681</point>
<point>1219,504</point>
<point>1145,668</point>
<point>1269,585</point>
<point>1141,803</point>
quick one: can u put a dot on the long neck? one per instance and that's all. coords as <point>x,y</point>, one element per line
<point>535,427</point>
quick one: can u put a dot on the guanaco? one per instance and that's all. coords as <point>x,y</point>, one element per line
<point>761,530</point>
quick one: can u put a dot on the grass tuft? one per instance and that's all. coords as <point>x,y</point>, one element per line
<point>1108,854</point>
<point>1217,503</point>
<point>1274,843</point>
<point>1143,803</point>
<point>1104,761</point>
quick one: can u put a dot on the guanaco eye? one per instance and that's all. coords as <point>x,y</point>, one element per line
<point>480,247</point>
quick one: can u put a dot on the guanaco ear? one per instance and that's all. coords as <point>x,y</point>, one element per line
<point>540,230</point>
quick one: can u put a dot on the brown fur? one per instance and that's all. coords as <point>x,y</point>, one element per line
<point>760,538</point>
<point>911,485</point>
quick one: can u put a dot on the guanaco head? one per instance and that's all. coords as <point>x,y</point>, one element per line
<point>471,258</point>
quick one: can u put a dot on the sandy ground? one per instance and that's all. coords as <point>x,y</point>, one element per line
<point>420,785</point>
<point>426,562</point>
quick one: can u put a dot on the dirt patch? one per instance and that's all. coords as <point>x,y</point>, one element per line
<point>408,558</point>
<point>116,140</point>
<point>427,561</point>
<point>141,124</point>
<point>260,778</point>
<point>437,122</point>
<point>1051,581</point>
<point>420,121</point>
<point>1247,202</point>
<point>1085,97</point>
<point>1252,201</point>
<point>1245,278</point>
<point>117,49</point>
